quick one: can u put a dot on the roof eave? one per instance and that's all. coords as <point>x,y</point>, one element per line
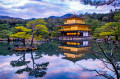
<point>73,24</point>
<point>73,18</point>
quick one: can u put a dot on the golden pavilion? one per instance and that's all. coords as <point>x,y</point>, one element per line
<point>74,28</point>
<point>74,51</point>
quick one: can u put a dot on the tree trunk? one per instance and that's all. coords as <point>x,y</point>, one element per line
<point>32,36</point>
<point>8,39</point>
<point>116,38</point>
<point>32,60</point>
<point>24,56</point>
<point>24,42</point>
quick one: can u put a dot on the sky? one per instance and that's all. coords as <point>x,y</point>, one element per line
<point>45,8</point>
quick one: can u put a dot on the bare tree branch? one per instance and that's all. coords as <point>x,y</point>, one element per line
<point>94,70</point>
<point>111,62</point>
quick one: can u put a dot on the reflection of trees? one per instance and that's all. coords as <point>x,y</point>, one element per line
<point>38,70</point>
<point>108,58</point>
<point>20,62</point>
<point>5,49</point>
<point>48,48</point>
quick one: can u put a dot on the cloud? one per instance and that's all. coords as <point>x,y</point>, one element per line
<point>45,8</point>
<point>32,9</point>
<point>13,3</point>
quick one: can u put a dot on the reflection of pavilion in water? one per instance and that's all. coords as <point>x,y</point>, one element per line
<point>74,51</point>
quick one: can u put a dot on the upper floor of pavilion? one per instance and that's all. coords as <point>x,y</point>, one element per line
<point>74,19</point>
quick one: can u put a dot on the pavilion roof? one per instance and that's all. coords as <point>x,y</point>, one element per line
<point>74,52</point>
<point>73,59</point>
<point>73,24</point>
<point>73,16</point>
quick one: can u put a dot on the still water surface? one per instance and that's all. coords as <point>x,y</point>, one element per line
<point>53,60</point>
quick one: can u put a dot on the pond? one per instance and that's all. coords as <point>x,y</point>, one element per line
<point>55,60</point>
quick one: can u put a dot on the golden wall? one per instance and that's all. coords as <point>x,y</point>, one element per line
<point>73,55</point>
<point>75,27</point>
<point>75,49</point>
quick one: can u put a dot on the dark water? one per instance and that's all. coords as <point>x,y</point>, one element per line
<point>54,60</point>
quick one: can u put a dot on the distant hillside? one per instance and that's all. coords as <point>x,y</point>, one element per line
<point>64,16</point>
<point>54,17</point>
<point>4,17</point>
<point>7,17</point>
<point>98,16</point>
<point>32,18</point>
